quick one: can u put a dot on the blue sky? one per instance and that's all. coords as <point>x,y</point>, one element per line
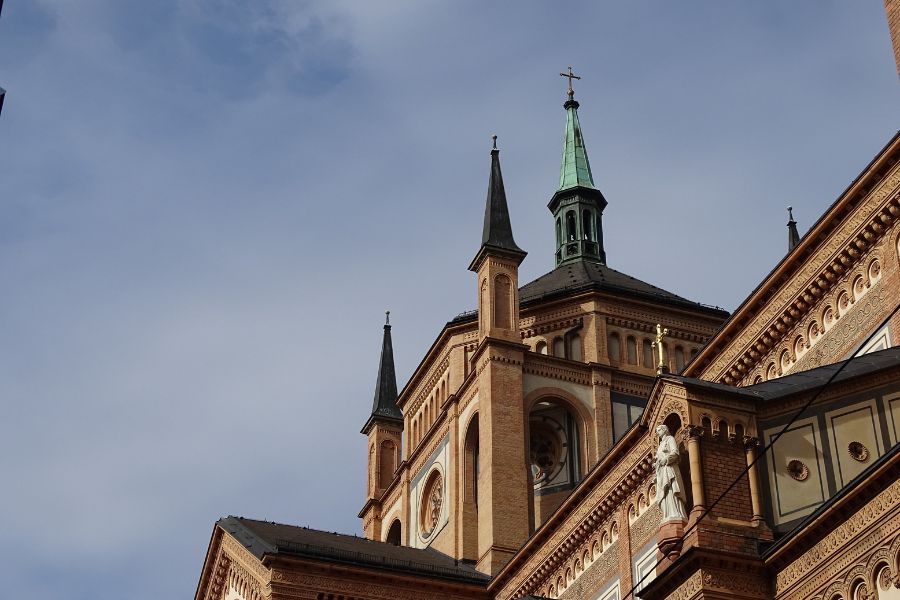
<point>207,205</point>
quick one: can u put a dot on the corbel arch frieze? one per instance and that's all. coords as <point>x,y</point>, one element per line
<point>245,583</point>
<point>894,555</point>
<point>217,587</point>
<point>835,591</point>
<point>547,367</point>
<point>865,229</point>
<point>879,560</point>
<point>430,381</point>
<point>724,424</point>
<point>549,326</point>
<point>239,554</point>
<point>810,323</point>
<point>596,516</point>
<point>855,578</point>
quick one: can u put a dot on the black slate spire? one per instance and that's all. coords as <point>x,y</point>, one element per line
<point>384,406</point>
<point>793,236</point>
<point>497,236</point>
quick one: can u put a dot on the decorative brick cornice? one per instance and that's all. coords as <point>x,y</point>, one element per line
<point>840,241</point>
<point>650,329</point>
<point>563,537</point>
<point>872,526</point>
<point>423,452</point>
<point>544,366</point>
<point>547,326</point>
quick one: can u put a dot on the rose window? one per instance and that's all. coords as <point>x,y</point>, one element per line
<point>432,501</point>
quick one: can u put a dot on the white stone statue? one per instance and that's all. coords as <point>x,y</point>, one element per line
<point>669,486</point>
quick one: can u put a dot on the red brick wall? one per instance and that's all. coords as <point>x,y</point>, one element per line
<point>893,18</point>
<point>723,461</point>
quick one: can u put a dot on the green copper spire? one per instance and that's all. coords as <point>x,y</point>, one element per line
<point>575,169</point>
<point>577,205</point>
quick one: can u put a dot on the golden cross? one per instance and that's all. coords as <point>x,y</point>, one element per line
<point>571,76</point>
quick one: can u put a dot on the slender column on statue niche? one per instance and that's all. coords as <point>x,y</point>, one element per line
<point>693,434</point>
<point>750,445</point>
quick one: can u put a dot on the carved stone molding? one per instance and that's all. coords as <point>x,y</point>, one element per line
<point>423,453</point>
<point>238,553</point>
<point>873,526</point>
<point>544,368</point>
<point>843,248</point>
<point>543,327</point>
<point>585,521</point>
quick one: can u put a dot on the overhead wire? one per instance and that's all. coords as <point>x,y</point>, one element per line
<point>843,364</point>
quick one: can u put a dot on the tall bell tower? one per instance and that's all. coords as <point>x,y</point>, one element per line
<point>384,429</point>
<point>503,492</point>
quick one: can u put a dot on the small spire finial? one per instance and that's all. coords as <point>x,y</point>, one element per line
<point>494,140</point>
<point>387,318</point>
<point>570,76</point>
<point>793,234</point>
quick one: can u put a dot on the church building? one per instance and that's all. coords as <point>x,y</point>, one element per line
<point>589,435</point>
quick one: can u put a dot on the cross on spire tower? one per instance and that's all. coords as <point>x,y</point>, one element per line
<point>571,76</point>
<point>577,206</point>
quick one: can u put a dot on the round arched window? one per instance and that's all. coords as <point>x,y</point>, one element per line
<point>432,501</point>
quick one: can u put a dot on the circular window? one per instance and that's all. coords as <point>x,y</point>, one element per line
<point>858,451</point>
<point>432,501</point>
<point>797,470</point>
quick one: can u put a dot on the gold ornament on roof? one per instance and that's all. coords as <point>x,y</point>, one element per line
<point>663,364</point>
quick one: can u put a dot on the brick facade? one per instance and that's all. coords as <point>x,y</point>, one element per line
<point>892,8</point>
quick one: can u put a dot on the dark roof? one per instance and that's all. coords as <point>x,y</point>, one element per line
<point>804,381</point>
<point>584,275</point>
<point>713,386</point>
<point>263,538</point>
<point>384,406</point>
<point>497,233</point>
<point>814,378</point>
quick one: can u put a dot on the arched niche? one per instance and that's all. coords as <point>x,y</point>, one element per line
<point>469,495</point>
<point>394,535</point>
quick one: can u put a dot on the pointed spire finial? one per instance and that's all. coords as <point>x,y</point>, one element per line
<point>497,236</point>
<point>384,405</point>
<point>793,235</point>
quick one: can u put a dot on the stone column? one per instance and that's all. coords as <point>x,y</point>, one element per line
<point>750,445</point>
<point>692,434</point>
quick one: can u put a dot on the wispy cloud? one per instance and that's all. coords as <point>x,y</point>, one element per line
<point>205,206</point>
